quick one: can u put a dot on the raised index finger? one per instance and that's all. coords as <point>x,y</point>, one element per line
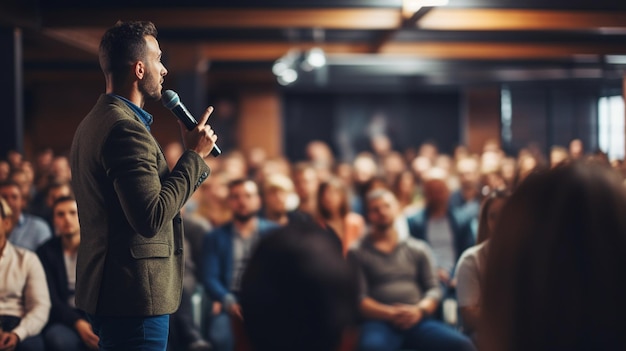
<point>205,116</point>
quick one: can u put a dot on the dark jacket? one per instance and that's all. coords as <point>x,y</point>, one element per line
<point>462,231</point>
<point>51,256</point>
<point>130,261</point>
<point>217,267</point>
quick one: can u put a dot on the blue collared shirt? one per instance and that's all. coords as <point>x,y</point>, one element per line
<point>144,116</point>
<point>30,232</point>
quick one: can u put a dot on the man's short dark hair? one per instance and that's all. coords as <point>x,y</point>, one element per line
<point>238,182</point>
<point>60,200</point>
<point>298,293</point>
<point>8,183</point>
<point>122,45</point>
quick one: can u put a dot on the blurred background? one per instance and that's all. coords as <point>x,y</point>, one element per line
<point>283,73</point>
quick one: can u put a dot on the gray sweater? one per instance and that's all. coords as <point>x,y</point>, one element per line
<point>406,275</point>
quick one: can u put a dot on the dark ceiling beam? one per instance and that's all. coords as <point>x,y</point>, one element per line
<point>23,14</point>
<point>186,56</point>
<point>255,51</point>
<point>388,35</point>
<point>347,18</point>
<point>443,18</point>
<point>85,39</point>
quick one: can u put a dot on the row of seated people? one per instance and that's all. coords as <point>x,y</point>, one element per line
<point>222,261</point>
<point>546,276</point>
<point>437,223</point>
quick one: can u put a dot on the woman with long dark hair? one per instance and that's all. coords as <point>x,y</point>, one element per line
<point>471,266</point>
<point>554,268</point>
<point>334,213</point>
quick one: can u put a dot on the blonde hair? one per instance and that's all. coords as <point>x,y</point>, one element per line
<point>5,210</point>
<point>278,181</point>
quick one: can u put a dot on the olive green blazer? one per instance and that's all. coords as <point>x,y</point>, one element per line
<point>130,260</point>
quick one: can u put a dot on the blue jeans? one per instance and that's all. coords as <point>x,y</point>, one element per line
<point>33,343</point>
<point>131,333</point>
<point>60,337</point>
<point>221,332</point>
<point>428,335</point>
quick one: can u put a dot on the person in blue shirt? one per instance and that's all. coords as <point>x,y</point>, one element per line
<point>226,251</point>
<point>28,231</point>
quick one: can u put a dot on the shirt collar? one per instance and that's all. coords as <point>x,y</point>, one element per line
<point>8,250</point>
<point>21,220</point>
<point>144,116</point>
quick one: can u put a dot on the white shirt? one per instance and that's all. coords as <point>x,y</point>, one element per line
<point>70,269</point>
<point>469,273</point>
<point>23,290</point>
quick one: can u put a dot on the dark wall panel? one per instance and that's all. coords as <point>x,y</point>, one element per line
<point>348,121</point>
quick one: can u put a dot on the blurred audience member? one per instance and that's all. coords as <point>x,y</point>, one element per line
<point>234,164</point>
<point>406,191</point>
<point>526,164</point>
<point>508,170</point>
<point>465,202</point>
<point>68,328</point>
<point>558,155</point>
<point>227,250</point>
<point>471,266</point>
<point>381,146</point>
<point>554,262</point>
<point>437,225</point>
<point>212,199</point>
<point>5,170</point>
<point>392,166</point>
<point>255,158</point>
<point>429,150</point>
<point>306,184</point>
<point>280,200</point>
<point>398,283</point>
<point>43,207</point>
<point>334,213</point>
<point>28,231</point>
<point>184,333</point>
<point>576,149</point>
<point>15,158</point>
<point>23,179</point>
<point>364,169</point>
<point>420,166</point>
<point>172,153</point>
<point>25,302</point>
<point>318,152</point>
<point>297,296</point>
<point>60,170</point>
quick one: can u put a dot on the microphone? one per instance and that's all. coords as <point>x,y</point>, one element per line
<point>172,102</point>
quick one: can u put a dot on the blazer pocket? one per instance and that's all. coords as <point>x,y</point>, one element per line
<point>151,250</point>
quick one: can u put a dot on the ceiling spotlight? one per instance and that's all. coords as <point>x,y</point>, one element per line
<point>279,67</point>
<point>287,77</point>
<point>315,58</point>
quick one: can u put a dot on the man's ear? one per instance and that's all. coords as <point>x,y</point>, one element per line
<point>140,69</point>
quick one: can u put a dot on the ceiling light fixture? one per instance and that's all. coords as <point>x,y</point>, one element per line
<point>287,77</point>
<point>314,58</point>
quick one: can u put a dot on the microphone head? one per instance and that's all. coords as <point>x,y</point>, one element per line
<point>170,99</point>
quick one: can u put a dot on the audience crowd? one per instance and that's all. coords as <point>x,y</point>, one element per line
<point>395,266</point>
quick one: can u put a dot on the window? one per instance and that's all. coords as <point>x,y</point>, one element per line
<point>611,127</point>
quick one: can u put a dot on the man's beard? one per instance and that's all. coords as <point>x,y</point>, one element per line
<point>149,87</point>
<point>244,217</point>
<point>382,227</point>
